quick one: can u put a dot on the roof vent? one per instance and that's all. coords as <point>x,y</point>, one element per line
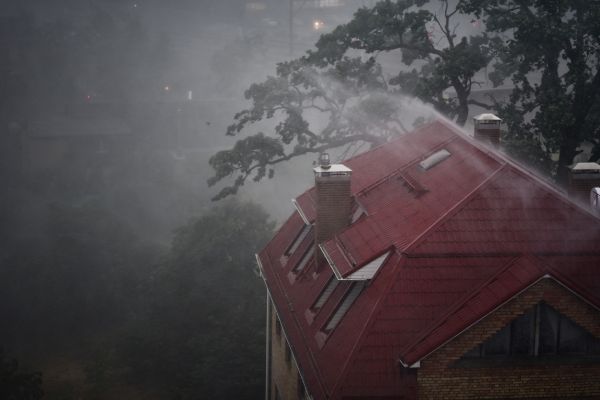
<point>324,161</point>
<point>583,178</point>
<point>487,128</point>
<point>595,200</point>
<point>434,159</point>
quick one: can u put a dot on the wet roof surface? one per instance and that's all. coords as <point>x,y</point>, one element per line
<point>465,236</point>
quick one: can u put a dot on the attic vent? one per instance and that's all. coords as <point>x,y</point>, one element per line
<point>434,159</point>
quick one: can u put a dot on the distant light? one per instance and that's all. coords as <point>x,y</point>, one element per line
<point>88,97</point>
<point>318,24</point>
<point>134,5</point>
<point>190,97</point>
<point>167,88</point>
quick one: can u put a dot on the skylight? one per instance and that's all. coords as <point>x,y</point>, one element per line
<point>297,240</point>
<point>343,308</point>
<point>305,259</point>
<point>324,296</point>
<point>434,159</point>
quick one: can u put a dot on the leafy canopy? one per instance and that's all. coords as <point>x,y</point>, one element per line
<point>551,53</point>
<point>203,331</point>
<point>339,95</point>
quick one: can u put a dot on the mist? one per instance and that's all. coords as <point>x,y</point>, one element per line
<point>119,276</point>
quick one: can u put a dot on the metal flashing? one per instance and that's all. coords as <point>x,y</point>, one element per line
<point>299,209</point>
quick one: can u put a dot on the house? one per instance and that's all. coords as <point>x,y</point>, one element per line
<point>434,267</point>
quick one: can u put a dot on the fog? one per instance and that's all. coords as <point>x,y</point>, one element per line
<point>119,277</point>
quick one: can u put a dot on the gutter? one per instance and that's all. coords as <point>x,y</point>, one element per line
<point>268,350</point>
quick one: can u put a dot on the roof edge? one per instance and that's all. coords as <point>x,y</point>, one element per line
<point>535,282</point>
<point>299,209</point>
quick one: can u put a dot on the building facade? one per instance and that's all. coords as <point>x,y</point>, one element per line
<point>435,267</point>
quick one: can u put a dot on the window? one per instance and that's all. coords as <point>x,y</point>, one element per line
<point>304,260</point>
<point>324,296</point>
<point>338,314</point>
<point>297,240</point>
<point>541,331</point>
<point>434,159</point>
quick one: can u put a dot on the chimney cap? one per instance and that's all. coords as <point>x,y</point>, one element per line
<point>487,117</point>
<point>333,169</point>
<point>324,161</point>
<point>586,167</point>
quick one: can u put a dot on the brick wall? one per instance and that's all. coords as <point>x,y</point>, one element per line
<point>440,378</point>
<point>284,372</point>
<point>334,206</point>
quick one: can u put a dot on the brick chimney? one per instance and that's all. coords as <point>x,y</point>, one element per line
<point>582,179</point>
<point>334,200</point>
<point>487,128</point>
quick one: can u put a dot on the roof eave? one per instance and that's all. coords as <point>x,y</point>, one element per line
<point>408,362</point>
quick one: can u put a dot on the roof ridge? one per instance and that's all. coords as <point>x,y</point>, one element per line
<point>417,130</point>
<point>453,210</point>
<point>516,165</point>
<point>463,300</point>
<point>552,190</point>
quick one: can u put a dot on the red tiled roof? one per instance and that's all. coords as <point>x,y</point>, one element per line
<point>467,235</point>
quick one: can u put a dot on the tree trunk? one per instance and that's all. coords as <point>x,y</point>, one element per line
<point>462,112</point>
<point>568,151</point>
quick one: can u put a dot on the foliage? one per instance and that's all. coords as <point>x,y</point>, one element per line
<point>203,332</point>
<point>342,83</point>
<point>446,62</point>
<point>75,275</point>
<point>298,99</point>
<point>16,384</point>
<point>551,52</point>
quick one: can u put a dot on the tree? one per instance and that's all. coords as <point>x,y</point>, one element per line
<point>16,384</point>
<point>352,92</point>
<point>73,275</point>
<point>203,331</point>
<point>551,52</point>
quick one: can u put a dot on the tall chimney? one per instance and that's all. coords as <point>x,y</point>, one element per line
<point>487,128</point>
<point>334,200</point>
<point>582,179</point>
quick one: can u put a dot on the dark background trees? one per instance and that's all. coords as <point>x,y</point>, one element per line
<point>551,56</point>
<point>344,81</point>
<point>93,298</point>
<point>92,291</point>
<point>203,328</point>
